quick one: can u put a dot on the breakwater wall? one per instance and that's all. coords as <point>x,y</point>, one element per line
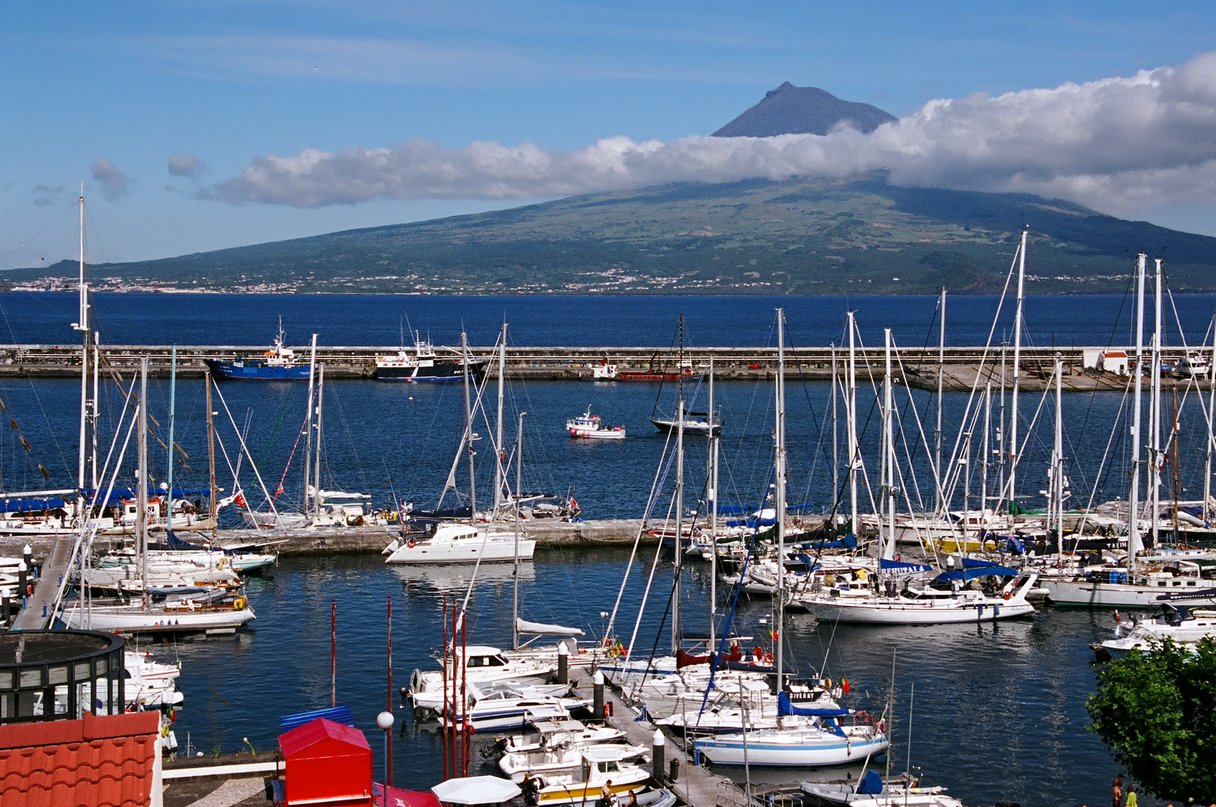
<point>959,366</point>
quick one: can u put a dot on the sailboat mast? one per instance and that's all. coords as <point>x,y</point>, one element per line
<point>312,376</point>
<point>212,510</point>
<point>519,478</point>
<point>172,414</point>
<point>499,471</point>
<point>679,507</point>
<point>1207,463</point>
<point>317,451</point>
<point>850,416</point>
<point>986,446</point>
<point>888,454</point>
<point>141,477</point>
<point>1017,372</point>
<point>1056,507</point>
<point>779,494</point>
<point>713,514</point>
<point>468,421</point>
<point>82,325</point>
<point>941,376</point>
<point>1154,418</point>
<point>1134,542</point>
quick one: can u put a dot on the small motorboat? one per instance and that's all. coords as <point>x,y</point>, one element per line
<point>591,427</point>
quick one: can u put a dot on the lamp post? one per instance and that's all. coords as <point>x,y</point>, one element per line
<point>385,721</point>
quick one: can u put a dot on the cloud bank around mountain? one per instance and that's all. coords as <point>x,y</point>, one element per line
<point>1120,145</point>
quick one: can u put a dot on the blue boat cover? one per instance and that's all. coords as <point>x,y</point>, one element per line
<point>338,714</point>
<point>31,505</point>
<point>976,568</point>
<point>117,495</point>
<point>870,784</point>
<point>784,708</point>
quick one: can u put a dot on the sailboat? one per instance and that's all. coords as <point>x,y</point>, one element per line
<point>690,421</point>
<point>804,736</point>
<point>199,610</point>
<point>887,605</point>
<point>460,542</point>
<point>1140,584</point>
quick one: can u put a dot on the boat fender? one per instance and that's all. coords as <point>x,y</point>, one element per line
<point>881,727</point>
<point>411,543</point>
<point>239,604</point>
<point>607,709</point>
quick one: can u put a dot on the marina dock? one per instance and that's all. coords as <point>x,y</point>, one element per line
<point>959,367</point>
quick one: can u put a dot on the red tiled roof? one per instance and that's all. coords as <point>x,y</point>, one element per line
<point>97,761</point>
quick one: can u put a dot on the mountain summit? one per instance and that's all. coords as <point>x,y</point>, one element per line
<point>802,110</point>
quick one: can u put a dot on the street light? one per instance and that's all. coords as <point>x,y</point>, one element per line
<point>385,721</point>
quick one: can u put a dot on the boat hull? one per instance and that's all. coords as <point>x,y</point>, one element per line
<point>255,371</point>
<point>438,373</point>
<point>778,748</point>
<point>1094,594</point>
<point>907,613</point>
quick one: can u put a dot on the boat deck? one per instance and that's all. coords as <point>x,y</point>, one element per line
<point>694,785</point>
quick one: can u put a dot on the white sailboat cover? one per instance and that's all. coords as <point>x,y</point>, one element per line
<point>545,629</point>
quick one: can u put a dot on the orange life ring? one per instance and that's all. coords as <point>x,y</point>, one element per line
<point>768,658</point>
<point>411,543</point>
<point>881,727</point>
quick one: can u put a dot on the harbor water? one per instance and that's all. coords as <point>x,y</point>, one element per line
<point>994,713</point>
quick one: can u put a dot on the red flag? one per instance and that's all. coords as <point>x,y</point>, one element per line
<point>239,499</point>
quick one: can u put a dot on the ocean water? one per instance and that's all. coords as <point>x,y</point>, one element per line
<point>993,713</point>
<point>580,321</point>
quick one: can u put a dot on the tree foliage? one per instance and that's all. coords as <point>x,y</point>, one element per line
<point>1155,711</point>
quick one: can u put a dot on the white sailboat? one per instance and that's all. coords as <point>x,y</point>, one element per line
<point>207,611</point>
<point>455,542</point>
<point>1140,584</point>
<point>915,606</point>
<point>803,736</point>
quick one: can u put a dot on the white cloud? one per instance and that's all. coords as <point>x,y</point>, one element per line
<point>1120,145</point>
<point>113,182</point>
<point>184,165</point>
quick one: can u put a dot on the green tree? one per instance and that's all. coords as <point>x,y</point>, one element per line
<point>1155,711</point>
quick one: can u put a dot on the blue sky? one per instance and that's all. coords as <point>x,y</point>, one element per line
<point>202,125</point>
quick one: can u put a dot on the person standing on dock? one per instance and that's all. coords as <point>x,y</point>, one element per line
<point>1116,791</point>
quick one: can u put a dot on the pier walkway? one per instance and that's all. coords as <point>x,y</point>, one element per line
<point>695,785</point>
<point>959,366</point>
<point>35,614</point>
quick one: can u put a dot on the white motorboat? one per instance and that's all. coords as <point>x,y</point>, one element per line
<point>452,542</point>
<point>481,664</point>
<point>517,765</point>
<point>601,768</point>
<point>1180,625</point>
<point>871,791</point>
<point>591,427</point>
<point>504,706</point>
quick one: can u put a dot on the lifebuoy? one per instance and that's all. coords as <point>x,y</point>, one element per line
<point>614,651</point>
<point>239,603</point>
<point>881,727</point>
<point>411,543</point>
<point>768,658</point>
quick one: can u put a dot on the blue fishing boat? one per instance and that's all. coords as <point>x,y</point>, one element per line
<point>278,363</point>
